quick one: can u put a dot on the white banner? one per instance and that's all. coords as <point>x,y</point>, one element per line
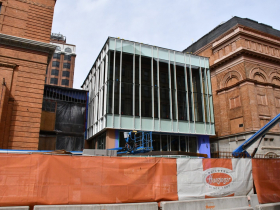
<point>213,178</point>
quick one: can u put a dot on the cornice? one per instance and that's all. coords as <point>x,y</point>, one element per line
<point>247,80</point>
<point>243,51</point>
<point>28,44</point>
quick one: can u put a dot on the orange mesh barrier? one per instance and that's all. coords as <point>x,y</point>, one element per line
<point>58,179</point>
<point>267,179</point>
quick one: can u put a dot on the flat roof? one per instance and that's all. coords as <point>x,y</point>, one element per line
<point>222,28</point>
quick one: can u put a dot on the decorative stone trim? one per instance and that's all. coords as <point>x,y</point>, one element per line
<point>35,3</point>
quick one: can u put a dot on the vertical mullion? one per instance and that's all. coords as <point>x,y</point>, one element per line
<point>105,83</point>
<point>208,101</point>
<point>140,87</point>
<point>202,92</point>
<point>190,70</point>
<point>176,94</point>
<point>120,88</point>
<point>114,78</point>
<point>152,83</point>
<point>170,91</point>
<point>133,88</point>
<point>158,90</point>
<point>187,90</point>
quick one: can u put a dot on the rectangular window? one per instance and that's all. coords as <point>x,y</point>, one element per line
<point>55,64</point>
<point>182,105</point>
<point>197,100</point>
<point>65,73</point>
<point>234,102</point>
<point>111,64</point>
<point>127,68</point>
<point>55,72</point>
<point>66,65</point>
<point>126,102</point>
<point>109,96</point>
<point>0,6</point>
<point>67,57</point>
<point>116,97</point>
<point>54,81</point>
<point>56,55</point>
<point>146,68</point>
<point>146,101</point>
<point>261,99</point>
<point>65,82</point>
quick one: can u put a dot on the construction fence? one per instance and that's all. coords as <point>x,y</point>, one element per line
<point>37,179</point>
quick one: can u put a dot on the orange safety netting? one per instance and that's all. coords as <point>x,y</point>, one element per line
<point>267,180</point>
<point>60,179</point>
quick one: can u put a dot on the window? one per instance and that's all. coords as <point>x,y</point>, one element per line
<point>261,99</point>
<point>47,71</point>
<point>58,48</point>
<point>55,72</point>
<point>56,55</point>
<point>67,57</point>
<point>0,6</point>
<point>65,73</point>
<point>65,82</point>
<point>66,65</point>
<point>68,50</point>
<point>55,64</point>
<point>48,105</point>
<point>234,102</point>
<point>54,81</point>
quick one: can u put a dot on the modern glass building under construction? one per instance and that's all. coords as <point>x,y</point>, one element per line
<point>135,86</point>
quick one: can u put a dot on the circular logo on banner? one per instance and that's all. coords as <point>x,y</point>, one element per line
<point>218,178</point>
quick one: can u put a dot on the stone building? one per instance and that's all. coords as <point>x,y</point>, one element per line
<point>61,69</point>
<point>25,51</point>
<point>245,74</point>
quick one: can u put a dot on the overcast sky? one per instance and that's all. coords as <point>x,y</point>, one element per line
<point>172,24</point>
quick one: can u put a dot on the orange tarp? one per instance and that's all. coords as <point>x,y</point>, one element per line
<point>266,175</point>
<point>59,179</point>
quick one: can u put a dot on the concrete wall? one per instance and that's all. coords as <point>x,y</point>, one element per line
<point>15,208</point>
<point>130,206</point>
<point>268,206</point>
<point>213,203</point>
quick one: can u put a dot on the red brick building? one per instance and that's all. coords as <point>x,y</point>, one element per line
<point>245,73</point>
<point>25,51</point>
<point>61,69</point>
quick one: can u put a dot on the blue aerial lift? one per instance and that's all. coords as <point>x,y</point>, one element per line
<point>241,150</point>
<point>136,142</point>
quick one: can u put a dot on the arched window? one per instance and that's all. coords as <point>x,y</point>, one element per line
<point>276,80</point>
<point>68,50</point>
<point>259,77</point>
<point>58,48</point>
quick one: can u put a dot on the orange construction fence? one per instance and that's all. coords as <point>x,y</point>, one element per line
<point>58,179</point>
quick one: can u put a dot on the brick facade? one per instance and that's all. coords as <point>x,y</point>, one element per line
<point>25,28</point>
<point>245,75</point>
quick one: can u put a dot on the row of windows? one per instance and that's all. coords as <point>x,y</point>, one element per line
<point>55,72</point>
<point>67,49</point>
<point>54,81</point>
<point>66,57</point>
<point>65,65</point>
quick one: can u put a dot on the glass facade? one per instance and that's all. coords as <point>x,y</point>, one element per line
<point>134,86</point>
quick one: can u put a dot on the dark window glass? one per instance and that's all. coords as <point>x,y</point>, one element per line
<point>127,68</point>
<point>101,141</point>
<point>155,72</point>
<point>55,64</point>
<point>137,57</point>
<point>204,90</point>
<point>156,142</point>
<point>180,75</point>
<point>163,74</point>
<point>117,66</point>
<point>190,99</point>
<point>172,72</point>
<point>47,71</point>
<point>126,102</point>
<point>54,81</point>
<point>67,57</point>
<point>155,102</point>
<point>116,97</point>
<point>56,55</point>
<point>68,50</point>
<point>66,65</point>
<point>0,6</point>
<point>146,71</point>
<point>49,105</point>
<point>164,104</point>
<point>65,82</point>
<point>122,140</point>
<point>65,73</point>
<point>192,144</point>
<point>183,147</point>
<point>111,65</point>
<point>175,143</point>
<point>55,72</point>
<point>197,94</point>
<point>182,105</point>
<point>110,98</point>
<point>146,101</point>
<point>136,100</point>
<point>164,143</point>
<point>174,105</point>
<point>46,80</point>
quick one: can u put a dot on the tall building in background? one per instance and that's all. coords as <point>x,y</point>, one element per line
<point>60,71</point>
<point>25,52</point>
<point>245,74</point>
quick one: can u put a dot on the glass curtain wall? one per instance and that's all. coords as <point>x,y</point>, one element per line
<point>137,82</point>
